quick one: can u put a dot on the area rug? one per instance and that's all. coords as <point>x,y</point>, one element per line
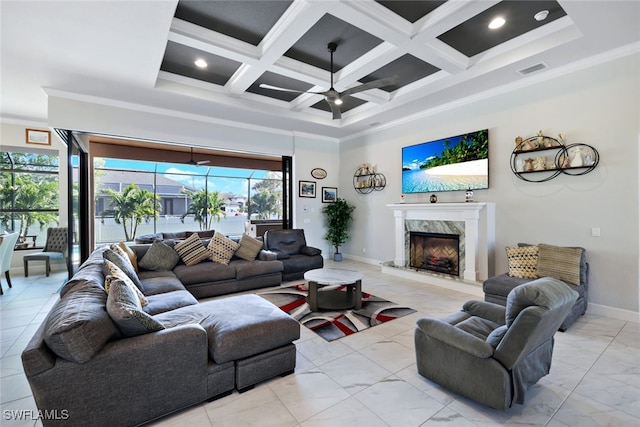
<point>330,324</point>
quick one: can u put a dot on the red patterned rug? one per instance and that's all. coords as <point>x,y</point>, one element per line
<point>330,324</point>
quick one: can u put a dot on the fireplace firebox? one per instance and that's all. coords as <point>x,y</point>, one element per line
<point>435,252</point>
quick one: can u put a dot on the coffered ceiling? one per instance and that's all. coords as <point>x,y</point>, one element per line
<point>443,52</point>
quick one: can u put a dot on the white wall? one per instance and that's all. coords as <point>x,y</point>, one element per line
<point>313,153</point>
<point>599,106</point>
<point>12,138</point>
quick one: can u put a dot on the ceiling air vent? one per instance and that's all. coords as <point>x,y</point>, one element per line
<point>533,69</point>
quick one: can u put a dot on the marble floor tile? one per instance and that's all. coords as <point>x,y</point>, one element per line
<point>370,379</point>
<point>398,403</point>
<point>308,393</point>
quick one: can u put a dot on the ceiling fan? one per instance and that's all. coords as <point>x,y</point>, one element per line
<point>332,96</point>
<point>199,163</point>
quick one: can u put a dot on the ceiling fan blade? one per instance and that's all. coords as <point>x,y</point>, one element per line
<point>282,89</point>
<point>266,86</point>
<point>387,81</point>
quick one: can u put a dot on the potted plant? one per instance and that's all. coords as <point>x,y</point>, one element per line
<point>339,214</point>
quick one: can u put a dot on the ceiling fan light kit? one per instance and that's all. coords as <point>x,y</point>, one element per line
<point>332,96</point>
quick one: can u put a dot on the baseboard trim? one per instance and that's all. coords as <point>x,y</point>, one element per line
<point>615,313</point>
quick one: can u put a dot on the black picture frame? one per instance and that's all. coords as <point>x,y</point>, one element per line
<point>307,189</point>
<point>329,194</point>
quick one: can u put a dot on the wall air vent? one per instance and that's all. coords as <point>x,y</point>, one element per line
<point>533,68</point>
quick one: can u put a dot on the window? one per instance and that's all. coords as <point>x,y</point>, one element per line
<point>136,197</point>
<point>29,196</point>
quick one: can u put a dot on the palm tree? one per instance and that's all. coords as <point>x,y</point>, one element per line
<point>131,207</point>
<point>205,206</point>
<point>267,198</point>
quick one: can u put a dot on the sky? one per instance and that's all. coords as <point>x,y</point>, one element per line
<point>193,176</point>
<point>414,155</point>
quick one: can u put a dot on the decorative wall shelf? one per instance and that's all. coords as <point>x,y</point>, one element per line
<point>541,158</point>
<point>365,181</point>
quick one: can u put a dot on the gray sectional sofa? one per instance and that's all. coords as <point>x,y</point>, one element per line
<point>108,360</point>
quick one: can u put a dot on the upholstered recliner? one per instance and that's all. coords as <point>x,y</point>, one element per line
<point>490,353</point>
<point>290,247</point>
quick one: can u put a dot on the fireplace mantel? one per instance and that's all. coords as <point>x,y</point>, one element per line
<point>479,232</point>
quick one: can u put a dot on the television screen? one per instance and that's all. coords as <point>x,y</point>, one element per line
<point>456,163</point>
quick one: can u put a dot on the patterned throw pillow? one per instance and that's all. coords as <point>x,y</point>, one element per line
<point>523,262</point>
<point>159,257</point>
<point>191,250</point>
<point>562,263</point>
<point>112,272</point>
<point>222,248</point>
<point>123,263</point>
<point>125,310</point>
<point>249,248</point>
<point>133,257</point>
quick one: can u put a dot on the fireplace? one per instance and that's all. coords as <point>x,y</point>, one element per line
<point>436,252</point>
<point>473,222</point>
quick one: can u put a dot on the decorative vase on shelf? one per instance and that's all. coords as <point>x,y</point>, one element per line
<point>469,196</point>
<point>433,198</point>
<point>576,160</point>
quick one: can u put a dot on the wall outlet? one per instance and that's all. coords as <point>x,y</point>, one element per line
<point>595,232</point>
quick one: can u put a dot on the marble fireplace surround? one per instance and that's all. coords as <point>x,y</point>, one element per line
<point>473,222</point>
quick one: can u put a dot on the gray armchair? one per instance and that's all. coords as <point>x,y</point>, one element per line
<point>490,353</point>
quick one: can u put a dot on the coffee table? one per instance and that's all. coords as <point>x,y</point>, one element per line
<point>334,299</point>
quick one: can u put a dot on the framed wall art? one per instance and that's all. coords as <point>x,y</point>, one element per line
<point>38,137</point>
<point>306,189</point>
<point>329,194</point>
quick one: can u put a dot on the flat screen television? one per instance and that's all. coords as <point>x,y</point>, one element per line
<point>459,162</point>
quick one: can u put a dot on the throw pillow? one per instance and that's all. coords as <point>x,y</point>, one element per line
<point>562,263</point>
<point>133,257</point>
<point>191,250</point>
<point>123,264</point>
<point>159,257</point>
<point>249,248</point>
<point>222,248</point>
<point>112,272</point>
<point>124,308</point>
<point>523,262</point>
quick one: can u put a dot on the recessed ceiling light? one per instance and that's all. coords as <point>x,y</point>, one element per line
<point>541,16</point>
<point>497,23</point>
<point>200,63</point>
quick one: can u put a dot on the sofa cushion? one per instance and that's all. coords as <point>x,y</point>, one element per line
<point>523,262</point>
<point>159,303</point>
<point>125,310</point>
<point>237,326</point>
<point>191,250</point>
<point>123,264</point>
<point>113,273</point>
<point>563,263</point>
<point>160,282</point>
<point>159,257</point>
<point>204,272</point>
<point>78,326</point>
<point>222,248</point>
<point>133,258</point>
<point>249,248</point>
<point>245,269</point>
